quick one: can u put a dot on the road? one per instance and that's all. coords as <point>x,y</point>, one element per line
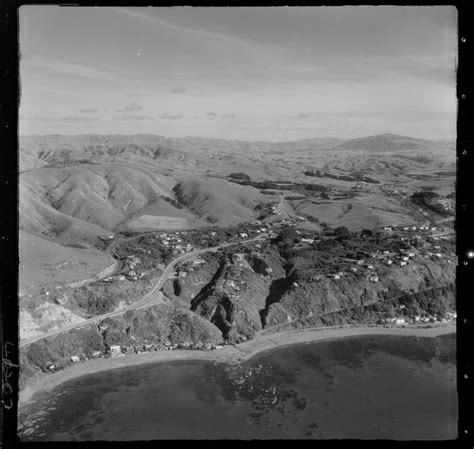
<point>153,297</point>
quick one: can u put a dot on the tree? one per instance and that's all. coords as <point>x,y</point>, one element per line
<point>341,230</point>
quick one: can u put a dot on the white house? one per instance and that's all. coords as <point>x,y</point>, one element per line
<point>389,262</point>
<point>243,235</point>
<point>115,350</point>
<point>399,321</point>
<point>75,359</point>
<point>402,263</point>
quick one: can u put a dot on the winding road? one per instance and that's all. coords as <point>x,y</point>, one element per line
<point>153,297</point>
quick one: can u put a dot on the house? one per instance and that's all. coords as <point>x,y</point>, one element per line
<point>198,262</point>
<point>413,228</point>
<point>402,263</point>
<point>52,367</point>
<point>75,359</point>
<point>387,229</point>
<point>295,284</point>
<point>95,354</point>
<point>360,262</point>
<point>387,253</point>
<point>417,318</point>
<point>182,274</point>
<point>411,254</point>
<point>405,258</point>
<point>370,267</point>
<point>354,269</point>
<point>243,235</point>
<point>310,241</point>
<point>115,350</point>
<point>337,276</point>
<point>374,278</point>
<point>238,257</point>
<point>399,321</point>
<point>389,262</point>
<point>439,255</point>
<point>269,270</point>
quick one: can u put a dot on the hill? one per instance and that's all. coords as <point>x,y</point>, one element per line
<point>78,187</point>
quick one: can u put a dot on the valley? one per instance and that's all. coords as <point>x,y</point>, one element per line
<point>131,244</point>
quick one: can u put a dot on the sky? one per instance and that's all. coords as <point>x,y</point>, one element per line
<point>270,73</point>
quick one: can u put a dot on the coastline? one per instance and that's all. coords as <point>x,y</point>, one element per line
<point>228,354</point>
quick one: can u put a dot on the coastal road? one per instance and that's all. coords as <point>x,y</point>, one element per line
<point>154,296</point>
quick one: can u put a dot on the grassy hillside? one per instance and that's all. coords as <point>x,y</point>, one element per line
<point>44,264</point>
<point>219,201</point>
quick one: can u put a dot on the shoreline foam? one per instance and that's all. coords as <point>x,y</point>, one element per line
<point>228,354</point>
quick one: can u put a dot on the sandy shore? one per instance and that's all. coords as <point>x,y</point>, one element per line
<point>229,354</point>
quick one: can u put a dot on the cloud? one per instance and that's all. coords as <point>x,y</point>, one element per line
<point>178,90</point>
<point>171,116</point>
<point>71,118</point>
<point>211,114</point>
<point>69,68</point>
<point>88,111</point>
<point>132,107</point>
<point>227,116</point>
<point>135,117</point>
<point>75,119</point>
<point>303,115</point>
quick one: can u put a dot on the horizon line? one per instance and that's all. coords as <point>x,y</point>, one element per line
<point>453,139</point>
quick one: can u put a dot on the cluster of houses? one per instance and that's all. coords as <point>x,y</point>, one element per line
<point>374,259</point>
<point>411,229</point>
<point>134,273</point>
<point>119,350</point>
<point>175,242</point>
<point>417,319</point>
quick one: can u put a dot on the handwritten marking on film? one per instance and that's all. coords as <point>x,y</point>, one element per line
<point>7,371</point>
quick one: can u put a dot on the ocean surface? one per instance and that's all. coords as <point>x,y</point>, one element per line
<point>390,387</point>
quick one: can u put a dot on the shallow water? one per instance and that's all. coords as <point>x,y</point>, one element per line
<point>359,387</point>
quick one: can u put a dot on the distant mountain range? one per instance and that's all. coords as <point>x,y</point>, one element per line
<point>78,187</point>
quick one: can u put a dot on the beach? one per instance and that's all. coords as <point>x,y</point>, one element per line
<point>228,354</point>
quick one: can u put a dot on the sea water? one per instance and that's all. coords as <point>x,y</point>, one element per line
<point>390,387</point>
